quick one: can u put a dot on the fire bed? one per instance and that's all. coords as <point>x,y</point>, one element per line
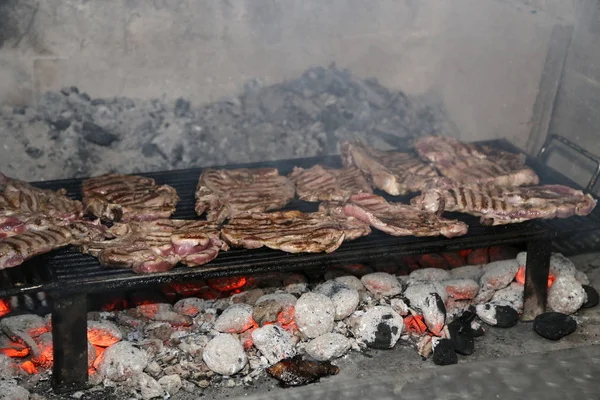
<point>68,276</point>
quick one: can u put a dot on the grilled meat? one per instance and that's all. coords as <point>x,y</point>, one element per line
<point>505,205</point>
<point>20,198</point>
<point>292,231</point>
<point>473,163</point>
<point>116,197</point>
<point>296,371</point>
<point>156,246</point>
<point>395,219</point>
<point>326,184</point>
<point>18,248</point>
<point>394,172</point>
<point>227,193</point>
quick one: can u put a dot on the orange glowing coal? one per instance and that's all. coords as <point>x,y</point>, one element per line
<point>227,284</point>
<point>521,277</point>
<point>415,324</point>
<point>185,289</point>
<point>15,351</point>
<point>28,367</point>
<point>101,337</point>
<point>115,305</point>
<point>4,307</point>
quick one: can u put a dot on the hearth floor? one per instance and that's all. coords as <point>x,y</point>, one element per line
<point>508,363</point>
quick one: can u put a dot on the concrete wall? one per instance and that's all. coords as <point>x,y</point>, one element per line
<point>482,58</point>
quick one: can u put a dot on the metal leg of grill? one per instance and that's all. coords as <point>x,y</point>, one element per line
<point>69,339</point>
<point>536,278</point>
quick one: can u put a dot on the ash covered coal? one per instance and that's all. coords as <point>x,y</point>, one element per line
<point>67,134</point>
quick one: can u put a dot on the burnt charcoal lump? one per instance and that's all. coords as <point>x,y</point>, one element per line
<point>97,134</point>
<point>461,335</point>
<point>296,371</point>
<point>495,315</point>
<point>592,297</point>
<point>444,354</point>
<point>554,325</point>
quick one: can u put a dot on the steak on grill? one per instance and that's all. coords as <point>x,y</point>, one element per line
<point>473,163</point>
<point>17,249</point>
<point>394,172</point>
<point>395,219</point>
<point>157,246</point>
<point>227,193</point>
<point>116,197</point>
<point>505,205</point>
<point>326,184</point>
<point>292,231</point>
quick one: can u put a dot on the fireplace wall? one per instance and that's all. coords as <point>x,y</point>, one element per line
<point>482,59</point>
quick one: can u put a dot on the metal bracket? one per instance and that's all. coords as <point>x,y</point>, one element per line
<point>543,156</point>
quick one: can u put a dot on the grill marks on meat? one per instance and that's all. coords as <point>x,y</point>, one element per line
<point>394,172</point>
<point>473,163</point>
<point>505,205</point>
<point>326,184</point>
<point>116,197</point>
<point>292,231</point>
<point>227,193</point>
<point>396,219</point>
<point>18,248</point>
<point>157,246</point>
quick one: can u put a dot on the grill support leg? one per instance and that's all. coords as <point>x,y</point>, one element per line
<point>69,340</point>
<point>536,278</point>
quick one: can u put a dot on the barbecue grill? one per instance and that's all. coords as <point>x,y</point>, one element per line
<point>69,277</point>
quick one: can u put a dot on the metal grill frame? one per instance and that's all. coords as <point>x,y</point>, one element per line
<point>69,277</point>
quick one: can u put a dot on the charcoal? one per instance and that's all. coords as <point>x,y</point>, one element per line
<point>296,371</point>
<point>592,297</point>
<point>96,134</point>
<point>554,325</point>
<point>60,124</point>
<point>462,337</point>
<point>495,315</point>
<point>443,353</point>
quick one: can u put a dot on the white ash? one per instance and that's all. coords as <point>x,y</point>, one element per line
<point>328,346</point>
<point>455,308</point>
<point>433,310</point>
<point>461,289</point>
<point>190,306</point>
<point>222,304</point>
<point>9,390</point>
<point>416,292</point>
<point>224,355</point>
<point>467,272</point>
<point>582,277</point>
<point>295,283</point>
<point>559,264</point>
<point>122,361</point>
<point>150,310</point>
<point>351,281</point>
<point>498,274</point>
<point>153,369</point>
<point>429,274</point>
<point>285,299</point>
<point>399,306</point>
<point>103,333</point>
<point>248,296</point>
<point>194,344</point>
<point>31,324</point>
<point>425,346</point>
<point>566,295</point>
<point>274,343</point>
<point>171,384</point>
<point>159,330</point>
<point>315,314</point>
<point>235,319</point>
<point>381,284</point>
<point>512,295</point>
<point>379,327</point>
<point>345,299</point>
<point>148,386</point>
<point>487,313</point>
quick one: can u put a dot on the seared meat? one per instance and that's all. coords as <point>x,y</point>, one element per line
<point>395,219</point>
<point>116,197</point>
<point>473,163</point>
<point>227,193</point>
<point>505,205</point>
<point>296,371</point>
<point>156,246</point>
<point>22,199</point>
<point>292,231</point>
<point>326,184</point>
<point>394,172</point>
<point>18,248</point>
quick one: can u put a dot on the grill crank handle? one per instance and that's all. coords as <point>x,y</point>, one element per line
<point>543,156</point>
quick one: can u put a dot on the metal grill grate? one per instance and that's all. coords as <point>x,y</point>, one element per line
<point>68,270</point>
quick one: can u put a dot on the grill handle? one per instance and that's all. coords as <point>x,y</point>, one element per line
<point>543,156</point>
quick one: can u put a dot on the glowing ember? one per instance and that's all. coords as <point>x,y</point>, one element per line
<point>227,284</point>
<point>29,367</point>
<point>478,257</point>
<point>185,289</point>
<point>433,260</point>
<point>521,277</point>
<point>415,324</point>
<point>102,337</point>
<point>286,316</point>
<point>115,305</point>
<point>4,307</point>
<point>465,252</point>
<point>15,351</point>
